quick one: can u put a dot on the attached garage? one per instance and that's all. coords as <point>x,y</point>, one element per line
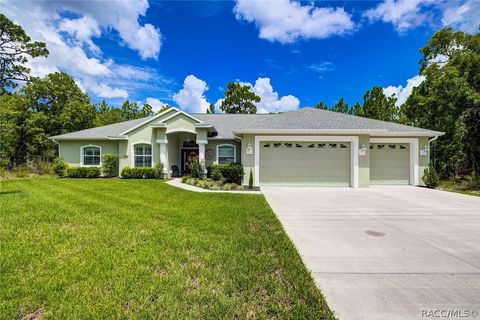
<point>325,163</point>
<point>390,163</point>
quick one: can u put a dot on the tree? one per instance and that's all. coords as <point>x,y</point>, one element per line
<point>211,109</point>
<point>16,48</point>
<point>131,110</point>
<point>341,106</point>
<point>322,106</point>
<point>357,109</point>
<point>449,100</point>
<point>107,115</point>
<point>376,105</point>
<point>239,99</point>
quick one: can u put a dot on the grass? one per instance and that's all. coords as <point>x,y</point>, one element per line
<point>464,186</point>
<point>78,248</point>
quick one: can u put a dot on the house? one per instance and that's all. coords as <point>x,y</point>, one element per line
<point>304,147</point>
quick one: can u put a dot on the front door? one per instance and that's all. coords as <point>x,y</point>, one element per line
<point>187,153</point>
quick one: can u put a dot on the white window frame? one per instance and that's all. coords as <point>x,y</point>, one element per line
<point>132,162</point>
<point>227,145</point>
<point>353,140</point>
<point>414,154</point>
<point>82,162</point>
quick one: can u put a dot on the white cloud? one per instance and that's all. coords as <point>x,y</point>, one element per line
<point>401,92</point>
<point>155,103</point>
<point>191,97</point>
<point>270,99</point>
<point>286,21</point>
<point>71,41</point>
<point>463,16</point>
<point>408,14</point>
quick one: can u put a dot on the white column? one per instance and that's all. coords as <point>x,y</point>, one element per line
<point>163,156</point>
<point>201,155</point>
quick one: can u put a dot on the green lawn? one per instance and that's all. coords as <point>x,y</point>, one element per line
<point>93,249</point>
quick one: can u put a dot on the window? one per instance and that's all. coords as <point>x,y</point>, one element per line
<point>91,156</point>
<point>343,146</point>
<point>226,154</point>
<point>380,146</point>
<point>332,145</point>
<point>392,146</point>
<point>403,147</point>
<point>321,145</point>
<point>266,145</point>
<point>298,145</point>
<point>288,145</point>
<point>277,145</point>
<point>311,145</point>
<point>142,155</point>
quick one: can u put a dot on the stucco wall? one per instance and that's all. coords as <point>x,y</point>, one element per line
<point>70,150</point>
<point>364,162</point>
<point>212,145</point>
<point>423,160</point>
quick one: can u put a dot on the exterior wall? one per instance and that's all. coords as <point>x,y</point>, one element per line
<point>364,162</point>
<point>423,160</point>
<point>70,151</point>
<point>248,160</point>
<point>212,145</point>
<point>180,123</point>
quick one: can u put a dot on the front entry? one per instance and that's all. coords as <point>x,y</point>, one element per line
<point>186,154</point>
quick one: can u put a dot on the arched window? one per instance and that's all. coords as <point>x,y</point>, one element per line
<point>226,153</point>
<point>142,155</point>
<point>91,155</point>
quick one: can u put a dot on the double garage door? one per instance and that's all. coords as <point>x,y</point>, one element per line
<point>305,163</point>
<point>329,163</point>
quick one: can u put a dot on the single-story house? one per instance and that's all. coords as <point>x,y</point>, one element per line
<point>304,147</point>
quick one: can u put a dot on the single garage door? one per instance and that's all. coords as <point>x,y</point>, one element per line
<point>305,163</point>
<point>389,163</point>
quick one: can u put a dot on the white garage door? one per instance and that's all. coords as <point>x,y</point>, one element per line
<point>305,163</point>
<point>389,163</point>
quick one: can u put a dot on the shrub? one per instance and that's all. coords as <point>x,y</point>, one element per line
<point>83,172</point>
<point>250,180</point>
<point>232,172</point>
<point>216,175</point>
<point>231,186</point>
<point>196,169</point>
<point>158,166</point>
<point>138,173</point>
<point>43,167</point>
<point>185,179</point>
<point>22,171</point>
<point>430,177</point>
<point>110,165</point>
<point>60,167</point>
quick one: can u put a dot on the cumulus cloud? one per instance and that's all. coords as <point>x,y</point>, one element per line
<point>271,102</point>
<point>401,92</point>
<point>191,97</point>
<point>70,39</point>
<point>155,103</point>
<point>408,14</point>
<point>286,21</point>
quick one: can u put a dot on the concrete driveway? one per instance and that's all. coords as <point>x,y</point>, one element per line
<point>387,252</point>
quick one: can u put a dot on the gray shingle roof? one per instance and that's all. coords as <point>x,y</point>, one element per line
<point>103,131</point>
<point>306,118</point>
<point>319,119</point>
<point>225,123</point>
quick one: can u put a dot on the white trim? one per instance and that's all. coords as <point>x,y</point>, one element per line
<point>149,120</point>
<point>408,134</point>
<point>227,145</point>
<point>353,151</point>
<point>201,142</point>
<point>414,154</point>
<point>81,156</point>
<point>132,150</point>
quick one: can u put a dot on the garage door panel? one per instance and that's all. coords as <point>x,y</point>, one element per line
<point>389,163</point>
<point>305,163</point>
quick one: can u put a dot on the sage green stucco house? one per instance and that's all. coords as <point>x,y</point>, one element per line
<point>303,147</point>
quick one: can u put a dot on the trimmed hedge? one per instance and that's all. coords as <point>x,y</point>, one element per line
<point>139,173</point>
<point>83,172</point>
<point>232,172</point>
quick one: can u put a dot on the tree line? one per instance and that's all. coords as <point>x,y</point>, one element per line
<point>447,100</point>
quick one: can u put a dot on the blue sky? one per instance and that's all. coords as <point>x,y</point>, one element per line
<point>294,54</point>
